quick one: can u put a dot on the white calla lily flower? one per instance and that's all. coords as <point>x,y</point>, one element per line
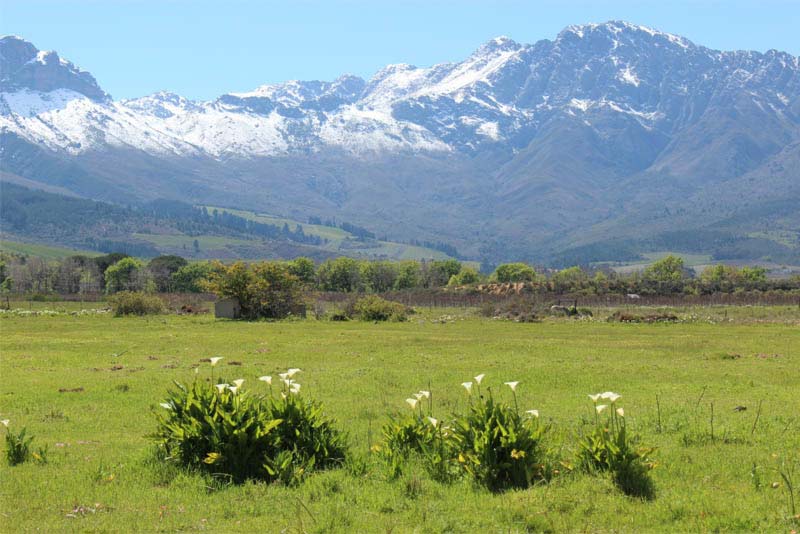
<point>412,402</point>
<point>512,385</point>
<point>479,378</point>
<point>610,396</point>
<point>426,394</point>
<point>215,360</point>
<point>601,407</point>
<point>595,397</point>
<point>467,386</point>
<point>433,421</point>
<point>267,379</point>
<point>620,412</point>
<point>239,382</point>
<point>222,387</point>
<point>5,422</point>
<point>166,406</point>
<point>534,413</point>
<point>293,371</point>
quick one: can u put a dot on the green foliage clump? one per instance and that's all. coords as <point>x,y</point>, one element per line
<point>190,278</point>
<point>223,430</point>
<point>265,289</point>
<point>341,274</point>
<point>609,448</point>
<point>465,277</point>
<point>499,447</point>
<point>379,276</point>
<point>18,448</point>
<point>493,444</point>
<point>136,303</point>
<point>128,274</point>
<point>664,276</point>
<point>514,272</point>
<point>570,280</point>
<point>304,269</point>
<point>162,268</point>
<point>374,308</point>
<point>408,275</point>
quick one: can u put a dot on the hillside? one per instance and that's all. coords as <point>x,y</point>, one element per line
<point>169,227</point>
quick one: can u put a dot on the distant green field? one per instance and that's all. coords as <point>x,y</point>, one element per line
<point>690,260</point>
<point>205,242</point>
<point>43,251</point>
<point>787,238</point>
<point>325,232</point>
<point>340,241</point>
<point>87,387</point>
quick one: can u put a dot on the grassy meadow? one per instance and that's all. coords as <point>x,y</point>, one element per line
<point>87,387</point>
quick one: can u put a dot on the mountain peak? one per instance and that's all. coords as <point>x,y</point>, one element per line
<point>618,28</point>
<point>24,66</point>
<point>499,43</point>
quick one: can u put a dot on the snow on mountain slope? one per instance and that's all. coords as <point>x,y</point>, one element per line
<point>505,92</point>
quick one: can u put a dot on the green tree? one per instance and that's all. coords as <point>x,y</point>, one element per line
<point>190,278</point>
<point>514,272</point>
<point>379,276</point>
<point>408,275</point>
<point>569,280</point>
<point>719,278</point>
<point>465,277</point>
<point>266,289</point>
<point>440,271</point>
<point>665,276</point>
<point>304,269</point>
<point>754,277</point>
<point>128,274</point>
<point>104,262</point>
<point>601,283</point>
<point>162,268</point>
<point>341,274</point>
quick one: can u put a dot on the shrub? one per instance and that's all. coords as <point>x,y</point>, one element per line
<point>18,448</point>
<point>499,448</point>
<point>402,437</point>
<point>136,303</point>
<point>493,444</point>
<point>266,289</point>
<point>221,429</point>
<point>608,448</point>
<point>374,308</point>
<point>514,272</point>
<point>465,277</point>
<point>341,274</point>
<point>419,436</point>
<point>190,278</point>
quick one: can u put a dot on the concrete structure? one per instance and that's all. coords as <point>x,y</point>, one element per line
<point>227,309</point>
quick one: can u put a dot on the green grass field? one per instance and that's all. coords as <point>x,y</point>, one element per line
<point>87,387</point>
<point>43,251</point>
<point>344,242</point>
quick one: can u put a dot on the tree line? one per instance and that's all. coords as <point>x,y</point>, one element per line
<point>110,273</point>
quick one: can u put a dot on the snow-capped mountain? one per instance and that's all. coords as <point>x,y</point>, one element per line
<point>504,92</point>
<point>532,131</point>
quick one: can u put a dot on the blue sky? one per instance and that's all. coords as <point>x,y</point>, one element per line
<point>202,49</point>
